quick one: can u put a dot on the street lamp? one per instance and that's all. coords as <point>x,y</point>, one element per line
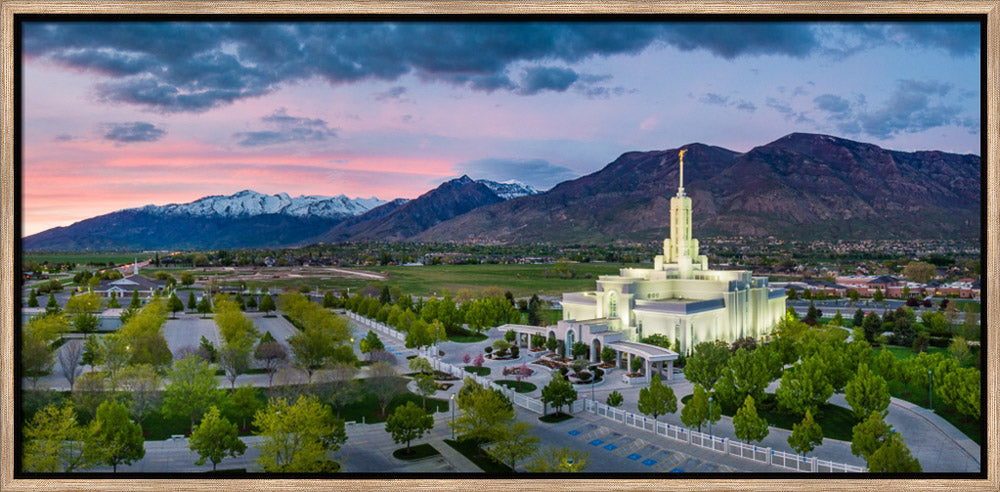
<point>930,388</point>
<point>710,416</point>
<point>453,416</point>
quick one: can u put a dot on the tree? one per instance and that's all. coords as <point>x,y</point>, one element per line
<point>805,386</point>
<point>426,386</point>
<point>54,442</point>
<point>615,399</point>
<point>36,356</point>
<point>859,316</point>
<point>329,300</point>
<point>579,349</point>
<point>142,384</point>
<point>705,365</point>
<point>91,352</point>
<point>271,354</point>
<point>86,323</point>
<point>204,305</point>
<point>33,298</point>
<point>558,392</point>
<point>252,302</point>
<point>510,336</point>
<point>483,413</point>
<point>961,388</point>
<point>69,360</point>
<point>919,272</point>
<point>408,422</point>
<point>878,296</point>
<point>298,437</point>
<point>192,389</point>
<point>555,459</point>
<point>806,435</point>
<point>187,278</point>
<point>695,412</point>
<point>384,383</point>
<point>311,349</point>
<point>113,302</point>
<point>83,303</point>
<point>341,388</point>
<point>371,342</point>
<point>893,457</point>
<point>267,304</point>
<point>868,435</point>
<point>744,374</point>
<point>551,343</point>
<point>174,304</point>
<point>872,325</point>
<point>867,393</point>
<point>235,360</point>
<point>135,303</point>
<point>116,438</point>
<point>747,424</point>
<point>150,348</point>
<point>52,307</point>
<point>215,438</point>
<point>419,335</point>
<point>657,399</point>
<point>207,349</point>
<point>514,443</point>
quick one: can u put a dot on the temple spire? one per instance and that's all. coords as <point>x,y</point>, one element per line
<point>680,185</point>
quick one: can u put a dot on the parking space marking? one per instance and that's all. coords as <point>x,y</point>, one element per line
<point>596,442</point>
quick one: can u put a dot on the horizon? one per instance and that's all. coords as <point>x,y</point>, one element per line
<point>113,119</point>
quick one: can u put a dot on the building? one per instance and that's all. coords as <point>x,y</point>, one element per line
<point>124,287</point>
<point>680,297</point>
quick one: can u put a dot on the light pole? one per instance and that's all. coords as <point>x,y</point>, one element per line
<point>710,416</point>
<point>453,416</point>
<point>930,388</point>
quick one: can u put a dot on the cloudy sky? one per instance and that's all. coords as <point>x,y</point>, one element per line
<point>126,114</point>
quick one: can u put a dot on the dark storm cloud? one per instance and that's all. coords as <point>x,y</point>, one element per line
<point>832,104</point>
<point>285,128</point>
<point>537,79</point>
<point>913,106</point>
<point>137,131</point>
<point>197,66</point>
<point>535,172</point>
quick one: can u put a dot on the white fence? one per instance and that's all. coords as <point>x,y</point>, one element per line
<point>720,445</point>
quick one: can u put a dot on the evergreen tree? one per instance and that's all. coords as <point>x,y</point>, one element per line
<point>192,303</point>
<point>806,435</point>
<point>136,303</point>
<point>267,304</point>
<point>52,307</point>
<point>33,298</point>
<point>113,302</point>
<point>174,304</point>
<point>747,424</point>
<point>657,399</point>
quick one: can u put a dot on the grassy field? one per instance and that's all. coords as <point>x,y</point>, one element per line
<point>471,450</point>
<point>901,353</point>
<point>521,280</point>
<point>837,422</point>
<point>84,258</point>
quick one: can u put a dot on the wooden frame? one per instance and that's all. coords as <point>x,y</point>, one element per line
<point>990,8</point>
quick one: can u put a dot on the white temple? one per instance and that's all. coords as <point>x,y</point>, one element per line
<point>680,297</point>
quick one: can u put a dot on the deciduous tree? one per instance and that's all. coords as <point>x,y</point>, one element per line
<point>192,389</point>
<point>705,364</point>
<point>558,392</point>
<point>806,435</point>
<point>116,439</point>
<point>297,437</point>
<point>867,393</point>
<point>408,422</point>
<point>215,438</point>
<point>55,442</point>
<point>513,443</point>
<point>142,384</point>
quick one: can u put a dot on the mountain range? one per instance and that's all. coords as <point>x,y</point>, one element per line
<point>800,186</point>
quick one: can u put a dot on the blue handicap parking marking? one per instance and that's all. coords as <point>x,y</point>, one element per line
<point>574,432</point>
<point>610,447</point>
<point>596,442</point>
<point>634,457</point>
<point>649,462</point>
<point>677,470</point>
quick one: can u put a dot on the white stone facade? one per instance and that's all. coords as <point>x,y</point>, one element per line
<point>680,297</point>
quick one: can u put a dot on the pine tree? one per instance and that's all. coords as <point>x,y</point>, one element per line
<point>33,299</point>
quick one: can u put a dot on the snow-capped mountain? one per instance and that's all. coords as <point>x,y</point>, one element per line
<point>250,203</point>
<point>508,189</point>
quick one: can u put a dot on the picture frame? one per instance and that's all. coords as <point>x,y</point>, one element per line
<point>991,298</point>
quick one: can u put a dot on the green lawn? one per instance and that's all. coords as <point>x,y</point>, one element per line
<point>84,258</point>
<point>467,337</point>
<point>521,280</point>
<point>478,371</point>
<point>415,452</point>
<point>518,386</point>
<point>471,450</point>
<point>901,353</point>
<point>918,395</point>
<point>837,422</point>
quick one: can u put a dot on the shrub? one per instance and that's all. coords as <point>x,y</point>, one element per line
<point>583,375</point>
<point>488,349</point>
<point>615,399</point>
<point>564,371</point>
<point>515,351</point>
<point>466,358</point>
